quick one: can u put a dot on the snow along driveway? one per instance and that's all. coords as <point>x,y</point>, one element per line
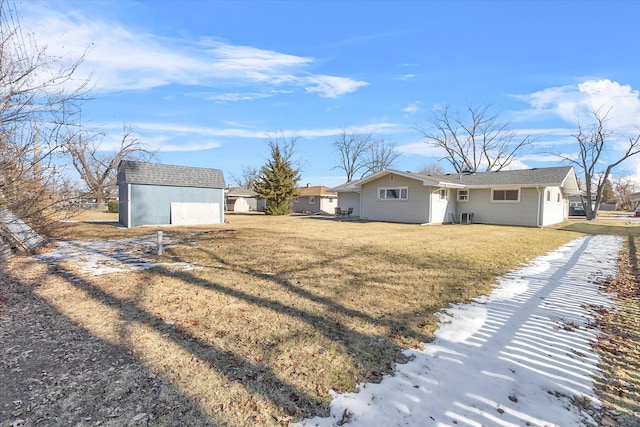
<point>521,356</point>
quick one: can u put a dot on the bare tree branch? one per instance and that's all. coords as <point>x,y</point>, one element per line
<point>477,139</point>
<point>98,168</point>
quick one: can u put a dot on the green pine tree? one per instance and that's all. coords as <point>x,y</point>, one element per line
<point>279,178</point>
<point>607,192</point>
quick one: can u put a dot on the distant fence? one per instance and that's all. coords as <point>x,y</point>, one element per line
<point>89,206</point>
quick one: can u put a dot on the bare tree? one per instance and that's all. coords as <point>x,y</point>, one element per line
<point>352,148</point>
<point>380,156</point>
<point>98,168</point>
<point>247,179</point>
<point>363,153</point>
<point>590,161</point>
<point>432,169</point>
<point>474,140</point>
<point>35,92</point>
<point>625,188</point>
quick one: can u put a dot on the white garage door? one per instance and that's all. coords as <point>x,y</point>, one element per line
<point>195,213</point>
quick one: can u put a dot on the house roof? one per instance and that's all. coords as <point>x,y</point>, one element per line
<point>315,190</point>
<point>436,181</point>
<point>240,192</point>
<point>562,176</point>
<point>133,172</point>
<point>554,176</point>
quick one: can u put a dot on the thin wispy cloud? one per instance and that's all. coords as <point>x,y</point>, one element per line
<point>122,59</point>
<point>412,107</point>
<point>406,77</point>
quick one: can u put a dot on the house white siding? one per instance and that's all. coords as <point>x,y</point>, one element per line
<point>350,200</point>
<point>555,206</point>
<point>415,209</point>
<point>442,207</point>
<point>329,204</point>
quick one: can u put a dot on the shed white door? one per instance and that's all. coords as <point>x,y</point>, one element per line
<point>195,213</point>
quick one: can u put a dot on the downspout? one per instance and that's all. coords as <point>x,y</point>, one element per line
<point>539,208</point>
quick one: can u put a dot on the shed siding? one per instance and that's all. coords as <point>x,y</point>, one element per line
<point>350,200</point>
<point>524,212</point>
<point>413,210</point>
<point>151,204</point>
<point>123,204</point>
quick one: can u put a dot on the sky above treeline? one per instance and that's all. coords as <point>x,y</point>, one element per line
<point>207,82</point>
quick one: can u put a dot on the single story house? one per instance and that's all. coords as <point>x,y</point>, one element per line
<point>242,200</point>
<point>315,199</point>
<point>157,194</point>
<point>528,197</point>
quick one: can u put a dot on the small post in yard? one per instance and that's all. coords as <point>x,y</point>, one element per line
<point>159,242</point>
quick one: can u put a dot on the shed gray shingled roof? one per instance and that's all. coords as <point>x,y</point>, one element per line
<point>523,177</point>
<point>133,172</point>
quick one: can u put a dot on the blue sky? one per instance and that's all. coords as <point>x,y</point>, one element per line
<point>205,82</point>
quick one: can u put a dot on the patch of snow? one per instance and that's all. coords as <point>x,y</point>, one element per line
<point>99,257</point>
<point>518,356</point>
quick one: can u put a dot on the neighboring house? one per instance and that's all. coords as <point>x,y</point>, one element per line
<point>315,199</point>
<point>157,194</point>
<point>241,200</point>
<point>530,197</point>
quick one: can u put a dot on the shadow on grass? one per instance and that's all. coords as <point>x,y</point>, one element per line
<point>62,365</point>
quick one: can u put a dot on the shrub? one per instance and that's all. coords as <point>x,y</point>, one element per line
<point>113,206</point>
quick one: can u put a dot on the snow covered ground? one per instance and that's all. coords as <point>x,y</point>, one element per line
<point>520,357</point>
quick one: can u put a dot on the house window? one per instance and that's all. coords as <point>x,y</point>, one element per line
<point>505,196</point>
<point>463,195</point>
<point>331,199</point>
<point>559,198</point>
<point>444,194</point>
<point>296,200</point>
<point>399,193</point>
<point>312,199</point>
<point>548,195</point>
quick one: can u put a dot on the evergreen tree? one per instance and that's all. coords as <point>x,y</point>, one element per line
<point>607,192</point>
<point>279,178</point>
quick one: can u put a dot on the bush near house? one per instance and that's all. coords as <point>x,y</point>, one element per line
<point>113,206</point>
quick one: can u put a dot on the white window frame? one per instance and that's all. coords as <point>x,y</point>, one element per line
<point>400,191</point>
<point>463,197</point>
<point>312,200</point>
<point>493,194</point>
<point>443,194</point>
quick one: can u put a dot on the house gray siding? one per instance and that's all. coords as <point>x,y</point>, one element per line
<point>486,211</point>
<point>348,200</point>
<point>151,204</point>
<point>413,210</point>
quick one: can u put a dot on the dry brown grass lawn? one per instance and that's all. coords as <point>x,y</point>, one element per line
<point>283,309</point>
